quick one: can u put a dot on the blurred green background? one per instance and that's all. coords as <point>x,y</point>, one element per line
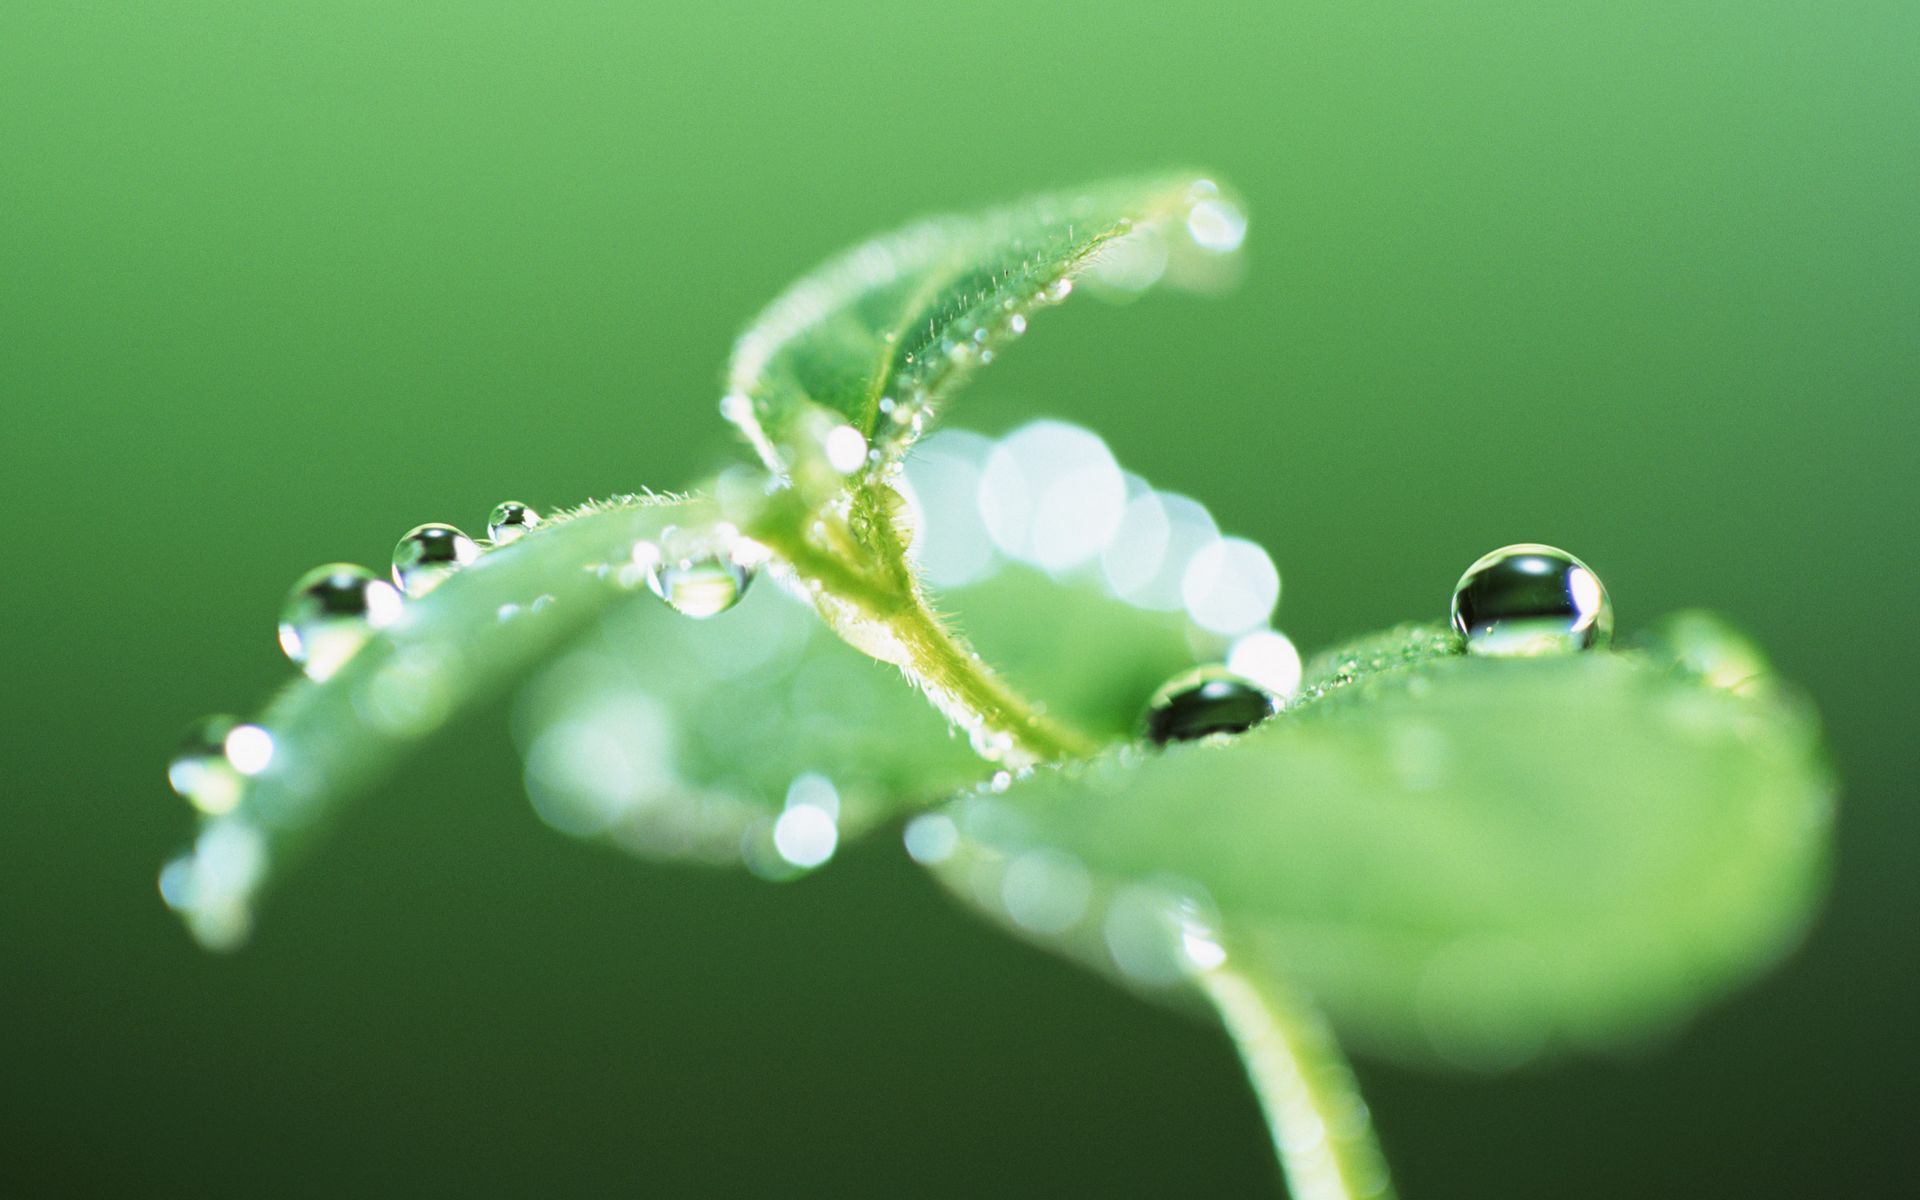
<point>277,282</point>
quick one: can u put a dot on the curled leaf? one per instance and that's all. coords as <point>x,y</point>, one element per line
<point>859,355</point>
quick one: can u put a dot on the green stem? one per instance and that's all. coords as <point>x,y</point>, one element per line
<point>935,657</point>
<point>1319,1124</point>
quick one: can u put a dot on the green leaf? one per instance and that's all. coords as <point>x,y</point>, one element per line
<point>1461,859</point>
<point>1087,657</point>
<point>454,647</point>
<point>667,736</point>
<point>683,739</point>
<point>835,381</point>
<point>876,339</point>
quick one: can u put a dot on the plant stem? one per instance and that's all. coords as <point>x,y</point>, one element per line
<point>1320,1126</point>
<point>905,631</point>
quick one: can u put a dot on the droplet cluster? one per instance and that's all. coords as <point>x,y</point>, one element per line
<point>1524,600</point>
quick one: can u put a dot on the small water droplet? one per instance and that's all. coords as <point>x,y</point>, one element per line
<point>509,520</point>
<point>1016,324</point>
<point>845,448</point>
<point>805,836</point>
<point>931,839</point>
<point>200,771</point>
<point>1216,225</point>
<point>1045,891</point>
<point>1058,290</point>
<point>703,581</point>
<point>429,555</point>
<point>1530,599</point>
<point>250,749</point>
<point>1203,702</point>
<point>330,614</point>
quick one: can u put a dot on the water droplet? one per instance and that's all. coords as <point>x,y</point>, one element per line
<point>428,555</point>
<point>249,748</point>
<point>199,770</point>
<point>931,839</point>
<point>845,448</point>
<point>1203,702</point>
<point>1216,225</point>
<point>703,583</point>
<point>330,614</point>
<point>1045,891</point>
<point>805,836</point>
<point>509,520</point>
<point>1531,599</point>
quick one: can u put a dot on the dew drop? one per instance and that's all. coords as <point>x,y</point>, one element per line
<point>200,771</point>
<point>703,583</point>
<point>845,448</point>
<point>330,614</point>
<point>1216,225</point>
<point>1204,702</point>
<point>249,748</point>
<point>931,839</point>
<point>1530,599</point>
<point>805,836</point>
<point>428,555</point>
<point>509,520</point>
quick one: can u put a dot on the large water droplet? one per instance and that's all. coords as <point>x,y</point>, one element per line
<point>1204,702</point>
<point>430,553</point>
<point>200,771</point>
<point>1530,599</point>
<point>509,520</point>
<point>330,614</point>
<point>694,572</point>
